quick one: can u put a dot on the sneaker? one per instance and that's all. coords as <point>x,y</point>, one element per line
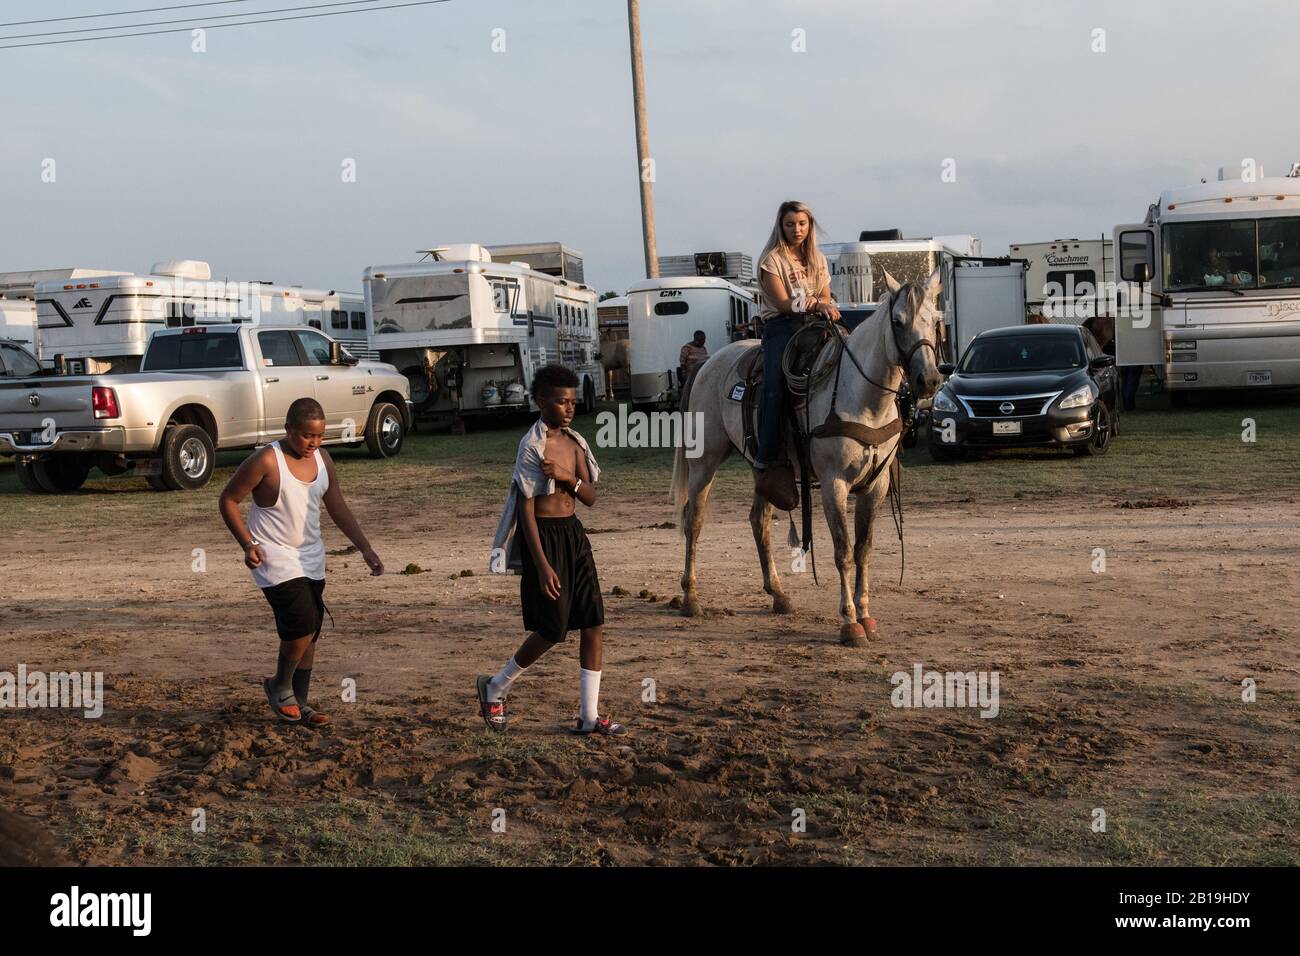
<point>493,712</point>
<point>603,726</point>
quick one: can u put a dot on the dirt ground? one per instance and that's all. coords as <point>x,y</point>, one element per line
<point>1119,691</point>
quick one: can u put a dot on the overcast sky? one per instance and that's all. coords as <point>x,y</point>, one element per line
<point>235,155</point>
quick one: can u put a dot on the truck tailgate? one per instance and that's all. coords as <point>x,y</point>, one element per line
<point>27,403</point>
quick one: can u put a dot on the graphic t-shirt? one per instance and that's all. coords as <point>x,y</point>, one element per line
<point>795,280</point>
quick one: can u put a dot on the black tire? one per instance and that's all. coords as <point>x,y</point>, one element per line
<point>1179,398</point>
<point>188,457</point>
<point>1099,443</point>
<point>157,484</point>
<point>385,431</point>
<point>26,472</point>
<point>59,474</point>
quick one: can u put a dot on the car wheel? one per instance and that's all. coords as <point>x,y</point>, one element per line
<point>384,431</point>
<point>188,457</point>
<point>1099,443</point>
<point>26,472</point>
<point>59,474</point>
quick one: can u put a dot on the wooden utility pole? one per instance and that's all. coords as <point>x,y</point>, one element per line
<point>644,169</point>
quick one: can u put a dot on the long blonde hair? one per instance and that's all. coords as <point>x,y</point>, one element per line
<point>807,249</point>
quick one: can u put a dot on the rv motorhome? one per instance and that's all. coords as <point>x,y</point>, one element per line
<point>469,332</point>
<point>1067,280</point>
<point>663,314</point>
<point>102,324</point>
<point>1217,270</point>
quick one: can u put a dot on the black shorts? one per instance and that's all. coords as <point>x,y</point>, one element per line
<point>565,544</point>
<point>299,607</point>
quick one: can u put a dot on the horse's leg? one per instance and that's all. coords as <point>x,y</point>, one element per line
<point>760,519</point>
<point>700,483</point>
<point>868,506</point>
<point>835,494</point>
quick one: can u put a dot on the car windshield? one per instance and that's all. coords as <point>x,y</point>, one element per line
<point>1027,353</point>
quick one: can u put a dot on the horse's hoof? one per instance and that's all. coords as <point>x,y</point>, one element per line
<point>690,607</point>
<point>869,625</point>
<point>782,605</point>
<point>853,635</point>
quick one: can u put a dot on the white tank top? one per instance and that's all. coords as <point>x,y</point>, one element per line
<point>289,530</point>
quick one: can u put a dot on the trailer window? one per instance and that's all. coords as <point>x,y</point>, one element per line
<point>1279,253</point>
<point>358,321</point>
<point>671,308</point>
<point>338,319</point>
<point>171,353</point>
<point>421,304</point>
<point>1067,284</point>
<point>1205,256</point>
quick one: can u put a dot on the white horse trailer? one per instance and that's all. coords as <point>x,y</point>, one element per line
<point>664,314</point>
<point>349,324</point>
<point>1222,286</point>
<point>18,322</point>
<point>101,325</point>
<point>469,333</point>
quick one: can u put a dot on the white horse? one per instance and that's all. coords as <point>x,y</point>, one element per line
<point>895,344</point>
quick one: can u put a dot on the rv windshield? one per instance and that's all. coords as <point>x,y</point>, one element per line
<point>1206,256</point>
<point>421,304</point>
<point>1000,354</point>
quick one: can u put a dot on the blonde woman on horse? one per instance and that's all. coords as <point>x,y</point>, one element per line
<point>795,287</point>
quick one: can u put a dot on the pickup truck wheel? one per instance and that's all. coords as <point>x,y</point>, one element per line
<point>188,457</point>
<point>59,474</point>
<point>157,484</point>
<point>26,472</point>
<point>384,432</point>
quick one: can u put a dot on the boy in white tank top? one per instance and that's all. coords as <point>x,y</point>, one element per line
<point>289,480</point>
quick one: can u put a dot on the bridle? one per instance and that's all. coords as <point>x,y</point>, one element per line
<point>902,394</point>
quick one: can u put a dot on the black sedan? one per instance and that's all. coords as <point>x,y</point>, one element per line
<point>1024,386</point>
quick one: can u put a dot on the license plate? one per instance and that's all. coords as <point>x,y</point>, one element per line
<point>1006,428</point>
<point>1259,378</point>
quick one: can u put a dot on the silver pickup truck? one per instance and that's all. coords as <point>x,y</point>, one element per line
<point>199,389</point>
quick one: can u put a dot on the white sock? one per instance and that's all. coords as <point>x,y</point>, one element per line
<point>589,681</point>
<point>499,686</point>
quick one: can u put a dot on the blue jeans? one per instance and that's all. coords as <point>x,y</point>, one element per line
<point>777,333</point>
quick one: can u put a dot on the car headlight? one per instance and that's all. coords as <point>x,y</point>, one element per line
<point>943,402</point>
<point>1080,396</point>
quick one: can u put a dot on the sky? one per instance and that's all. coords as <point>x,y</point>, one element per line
<point>237,154</point>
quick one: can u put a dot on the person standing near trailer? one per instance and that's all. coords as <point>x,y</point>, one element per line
<point>693,355</point>
<point>795,283</point>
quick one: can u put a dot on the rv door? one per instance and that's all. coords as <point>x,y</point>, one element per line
<point>1139,338</point>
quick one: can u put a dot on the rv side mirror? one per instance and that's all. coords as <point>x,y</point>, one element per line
<point>1142,273</point>
<point>946,368</point>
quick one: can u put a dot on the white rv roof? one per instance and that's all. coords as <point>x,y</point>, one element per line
<point>687,282</point>
<point>1276,194</point>
<point>614,302</point>
<point>406,270</point>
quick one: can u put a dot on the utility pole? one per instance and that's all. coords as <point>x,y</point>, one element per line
<point>642,142</point>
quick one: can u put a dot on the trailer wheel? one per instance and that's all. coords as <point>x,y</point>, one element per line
<point>26,472</point>
<point>188,457</point>
<point>384,433</point>
<point>59,474</point>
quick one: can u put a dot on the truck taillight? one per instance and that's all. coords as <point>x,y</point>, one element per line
<point>104,401</point>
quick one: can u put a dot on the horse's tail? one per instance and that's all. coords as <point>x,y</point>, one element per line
<point>678,489</point>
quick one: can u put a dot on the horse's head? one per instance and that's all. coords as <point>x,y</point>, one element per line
<point>915,326</point>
